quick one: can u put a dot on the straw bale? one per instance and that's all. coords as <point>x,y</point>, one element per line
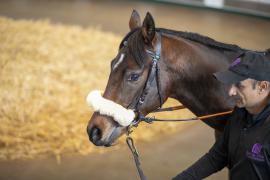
<point>46,71</point>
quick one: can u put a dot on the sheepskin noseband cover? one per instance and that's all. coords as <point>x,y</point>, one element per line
<point>107,107</point>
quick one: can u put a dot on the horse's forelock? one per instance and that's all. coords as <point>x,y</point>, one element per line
<point>126,37</point>
<point>135,44</point>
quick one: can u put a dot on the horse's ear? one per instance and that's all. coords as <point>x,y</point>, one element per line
<point>135,20</point>
<point>148,28</point>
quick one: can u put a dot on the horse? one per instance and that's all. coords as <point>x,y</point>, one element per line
<point>185,73</point>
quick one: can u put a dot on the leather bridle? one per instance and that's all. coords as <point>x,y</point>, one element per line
<point>153,75</point>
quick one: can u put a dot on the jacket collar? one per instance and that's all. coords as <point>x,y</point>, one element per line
<point>254,119</point>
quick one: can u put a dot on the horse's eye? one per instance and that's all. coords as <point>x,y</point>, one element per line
<point>133,77</point>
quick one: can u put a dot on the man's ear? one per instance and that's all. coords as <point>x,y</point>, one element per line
<point>148,28</point>
<point>135,20</point>
<point>264,86</point>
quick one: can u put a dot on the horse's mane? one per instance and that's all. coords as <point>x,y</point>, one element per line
<point>134,42</point>
<point>202,40</point>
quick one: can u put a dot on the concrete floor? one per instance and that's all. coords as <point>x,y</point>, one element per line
<point>165,156</point>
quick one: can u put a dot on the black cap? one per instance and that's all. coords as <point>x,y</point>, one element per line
<point>254,65</point>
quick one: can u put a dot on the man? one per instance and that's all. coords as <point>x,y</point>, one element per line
<point>244,146</point>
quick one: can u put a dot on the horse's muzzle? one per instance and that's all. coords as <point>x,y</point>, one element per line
<point>103,131</point>
<point>95,136</point>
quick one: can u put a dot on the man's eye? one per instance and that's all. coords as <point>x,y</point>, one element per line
<point>133,77</point>
<point>238,85</point>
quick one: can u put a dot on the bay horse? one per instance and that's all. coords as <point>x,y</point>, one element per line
<point>187,62</point>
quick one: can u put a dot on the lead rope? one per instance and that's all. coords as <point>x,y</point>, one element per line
<point>135,153</point>
<point>152,119</point>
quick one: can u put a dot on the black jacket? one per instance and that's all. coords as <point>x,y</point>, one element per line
<point>244,148</point>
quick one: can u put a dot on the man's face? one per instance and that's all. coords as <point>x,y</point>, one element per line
<point>245,93</point>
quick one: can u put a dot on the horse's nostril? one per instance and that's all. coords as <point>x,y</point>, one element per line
<point>95,134</point>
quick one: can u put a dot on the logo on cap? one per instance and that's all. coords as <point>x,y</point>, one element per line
<point>235,62</point>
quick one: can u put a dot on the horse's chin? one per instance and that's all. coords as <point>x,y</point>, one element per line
<point>111,144</point>
<point>116,132</point>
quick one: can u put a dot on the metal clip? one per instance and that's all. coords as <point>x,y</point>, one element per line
<point>131,146</point>
<point>157,56</point>
<point>141,100</point>
<point>129,129</point>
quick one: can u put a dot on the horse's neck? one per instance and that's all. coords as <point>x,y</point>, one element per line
<point>190,67</point>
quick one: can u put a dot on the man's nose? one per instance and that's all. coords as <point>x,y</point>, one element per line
<point>232,90</point>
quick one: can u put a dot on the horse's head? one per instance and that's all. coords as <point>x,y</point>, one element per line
<point>129,73</point>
